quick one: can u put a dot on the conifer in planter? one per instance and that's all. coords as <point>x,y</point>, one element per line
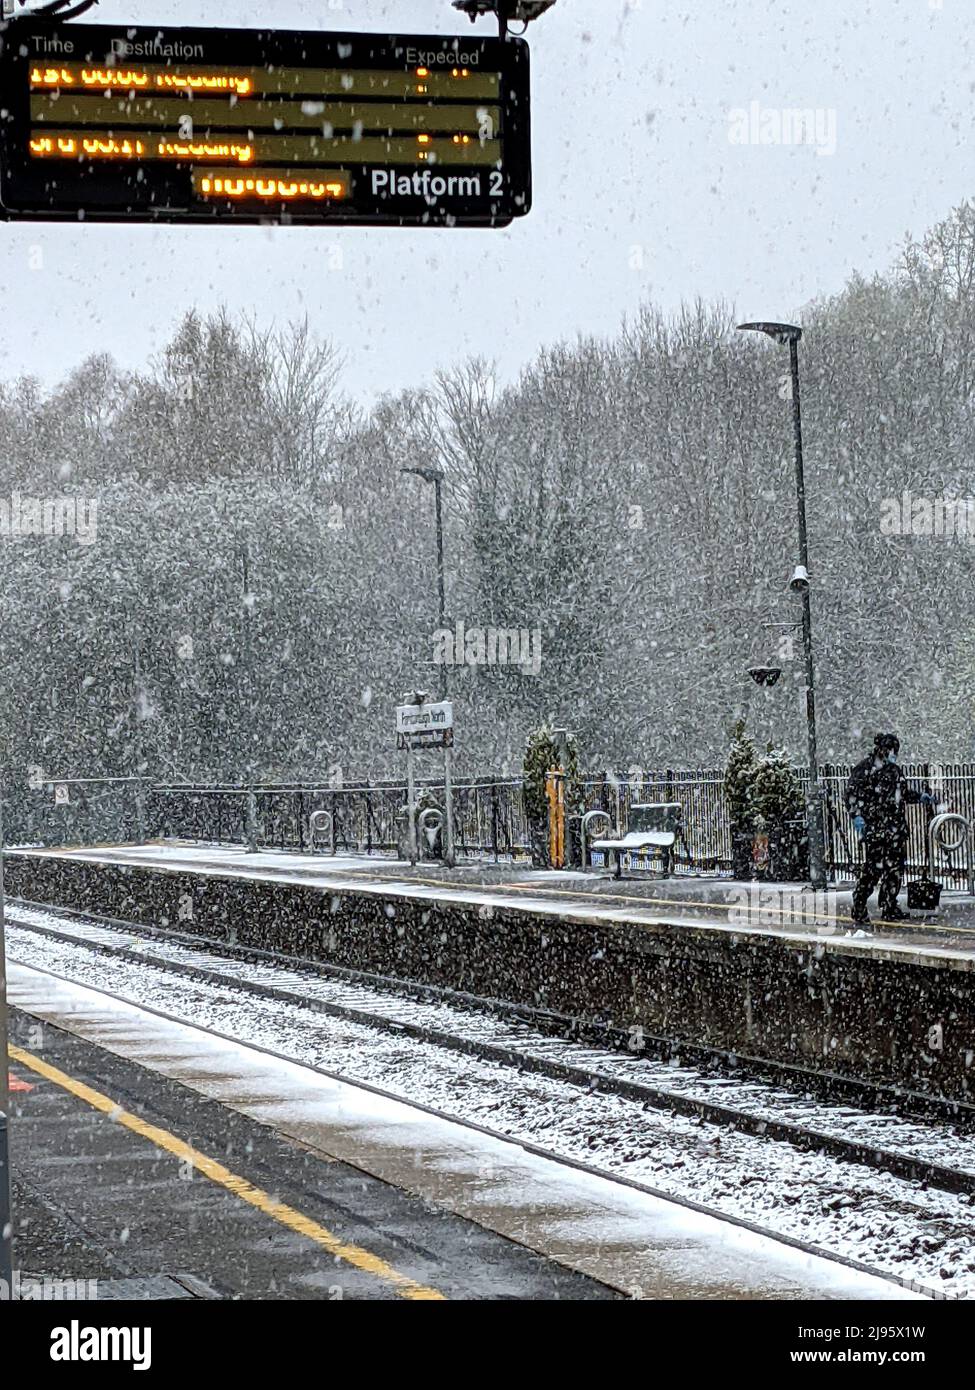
<point>777,797</point>
<point>739,782</point>
<point>541,755</point>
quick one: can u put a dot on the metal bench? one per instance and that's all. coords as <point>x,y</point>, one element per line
<point>653,826</point>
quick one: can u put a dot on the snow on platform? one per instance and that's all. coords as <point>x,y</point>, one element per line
<point>773,910</point>
<point>626,1239</point>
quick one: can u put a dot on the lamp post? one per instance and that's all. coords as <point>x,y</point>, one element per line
<point>789,334</point>
<point>435,476</point>
<point>6,1205</point>
<point>250,810</point>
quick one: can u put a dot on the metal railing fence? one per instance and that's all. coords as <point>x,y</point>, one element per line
<point>490,817</point>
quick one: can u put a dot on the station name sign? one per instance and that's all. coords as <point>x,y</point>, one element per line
<point>426,725</point>
<point>220,125</point>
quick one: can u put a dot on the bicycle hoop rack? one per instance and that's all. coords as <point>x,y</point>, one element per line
<point>941,840</point>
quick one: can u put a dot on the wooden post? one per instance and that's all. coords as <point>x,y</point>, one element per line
<point>555,793</point>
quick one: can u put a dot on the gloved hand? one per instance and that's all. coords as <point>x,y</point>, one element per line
<point>860,826</point>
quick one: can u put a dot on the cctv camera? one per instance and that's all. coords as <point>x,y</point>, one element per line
<point>799,582</point>
<point>765,675</point>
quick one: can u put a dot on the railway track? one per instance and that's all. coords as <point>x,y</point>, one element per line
<point>935,1148</point>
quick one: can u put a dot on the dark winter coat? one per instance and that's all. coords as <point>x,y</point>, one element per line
<point>880,795</point>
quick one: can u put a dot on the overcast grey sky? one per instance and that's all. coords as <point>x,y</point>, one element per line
<point>642,189</point>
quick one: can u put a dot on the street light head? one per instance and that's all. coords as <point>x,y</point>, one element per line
<point>781,332</point>
<point>54,10</point>
<point>523,10</point>
<point>765,675</point>
<point>429,475</point>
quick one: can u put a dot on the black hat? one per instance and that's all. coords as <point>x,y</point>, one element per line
<point>887,743</point>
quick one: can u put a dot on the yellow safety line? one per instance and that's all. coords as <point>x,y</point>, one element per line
<point>648,903</point>
<point>240,1187</point>
<point>740,907</point>
<point>595,899</point>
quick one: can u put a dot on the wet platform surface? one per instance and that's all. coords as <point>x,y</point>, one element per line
<point>96,1200</point>
<point>147,1147</point>
<point>743,908</point>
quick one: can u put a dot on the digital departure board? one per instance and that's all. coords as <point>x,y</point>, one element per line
<point>211,125</point>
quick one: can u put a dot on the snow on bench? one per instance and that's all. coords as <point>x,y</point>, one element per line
<point>652,825</point>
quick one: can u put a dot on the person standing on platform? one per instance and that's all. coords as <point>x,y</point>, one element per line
<point>877,795</point>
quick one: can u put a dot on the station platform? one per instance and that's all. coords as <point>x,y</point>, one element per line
<point>778,910</point>
<point>153,1159</point>
<point>761,972</point>
<point>126,1179</point>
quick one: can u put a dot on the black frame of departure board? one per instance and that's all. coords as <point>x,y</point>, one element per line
<point>108,191</point>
